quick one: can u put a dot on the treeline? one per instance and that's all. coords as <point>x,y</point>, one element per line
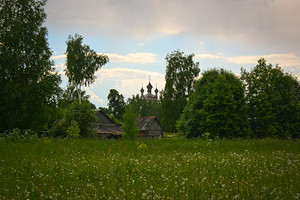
<point>263,102</point>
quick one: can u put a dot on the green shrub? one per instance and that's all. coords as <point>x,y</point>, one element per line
<point>58,129</point>
<point>73,130</point>
<point>17,134</point>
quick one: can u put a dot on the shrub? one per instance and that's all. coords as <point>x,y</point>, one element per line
<point>17,134</point>
<point>73,130</point>
<point>58,129</point>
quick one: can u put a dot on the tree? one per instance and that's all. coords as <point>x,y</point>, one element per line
<point>129,125</point>
<point>216,107</point>
<point>84,115</point>
<point>71,94</point>
<point>116,104</point>
<point>82,63</point>
<point>272,101</point>
<point>73,130</point>
<point>29,85</point>
<point>145,108</point>
<point>181,74</point>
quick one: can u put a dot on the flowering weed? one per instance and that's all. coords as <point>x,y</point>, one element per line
<point>166,169</point>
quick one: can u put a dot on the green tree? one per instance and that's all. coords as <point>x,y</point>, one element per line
<point>71,94</point>
<point>129,125</point>
<point>145,108</point>
<point>84,115</point>
<point>181,74</point>
<point>82,63</point>
<point>73,130</point>
<point>273,101</point>
<point>29,85</point>
<point>216,107</point>
<point>116,104</point>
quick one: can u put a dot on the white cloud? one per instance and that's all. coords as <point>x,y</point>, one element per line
<point>60,67</point>
<point>128,81</point>
<point>93,97</point>
<point>256,23</point>
<point>284,60</point>
<point>140,58</point>
<point>58,57</point>
<point>209,56</point>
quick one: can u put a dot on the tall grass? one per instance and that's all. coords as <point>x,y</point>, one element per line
<point>150,169</point>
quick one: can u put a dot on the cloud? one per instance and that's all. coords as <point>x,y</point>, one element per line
<point>284,60</point>
<point>93,97</point>
<point>128,81</point>
<point>207,55</point>
<point>58,57</point>
<point>60,67</point>
<point>140,58</point>
<point>256,23</point>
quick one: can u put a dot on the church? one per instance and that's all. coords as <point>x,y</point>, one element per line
<point>149,95</point>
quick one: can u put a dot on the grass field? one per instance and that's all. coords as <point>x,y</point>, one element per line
<point>150,169</point>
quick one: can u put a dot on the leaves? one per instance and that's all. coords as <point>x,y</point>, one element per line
<point>82,63</point>
<point>29,85</point>
<point>181,74</point>
<point>129,125</point>
<point>116,104</point>
<point>217,107</point>
<point>273,101</point>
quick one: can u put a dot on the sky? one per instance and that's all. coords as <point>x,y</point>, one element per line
<point>137,35</point>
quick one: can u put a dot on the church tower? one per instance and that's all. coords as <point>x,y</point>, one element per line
<point>149,95</point>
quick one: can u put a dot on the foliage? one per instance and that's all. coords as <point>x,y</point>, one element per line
<point>84,115</point>
<point>73,130</point>
<point>181,74</point>
<point>217,107</point>
<point>82,63</point>
<point>116,104</point>
<point>71,94</point>
<point>58,129</point>
<point>104,109</point>
<point>129,125</point>
<point>29,85</point>
<point>171,169</point>
<point>144,107</point>
<point>19,135</point>
<point>273,101</point>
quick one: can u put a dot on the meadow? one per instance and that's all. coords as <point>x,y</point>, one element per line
<point>150,169</point>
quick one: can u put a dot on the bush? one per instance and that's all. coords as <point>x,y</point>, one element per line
<point>73,130</point>
<point>129,125</point>
<point>17,134</point>
<point>58,129</point>
<point>84,115</point>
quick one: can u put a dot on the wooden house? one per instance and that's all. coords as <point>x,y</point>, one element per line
<point>106,128</point>
<point>149,127</point>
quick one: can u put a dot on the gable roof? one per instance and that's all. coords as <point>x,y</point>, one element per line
<point>143,123</point>
<point>103,119</point>
<point>105,125</point>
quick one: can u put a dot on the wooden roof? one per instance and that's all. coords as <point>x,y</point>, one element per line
<point>105,124</point>
<point>143,123</point>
